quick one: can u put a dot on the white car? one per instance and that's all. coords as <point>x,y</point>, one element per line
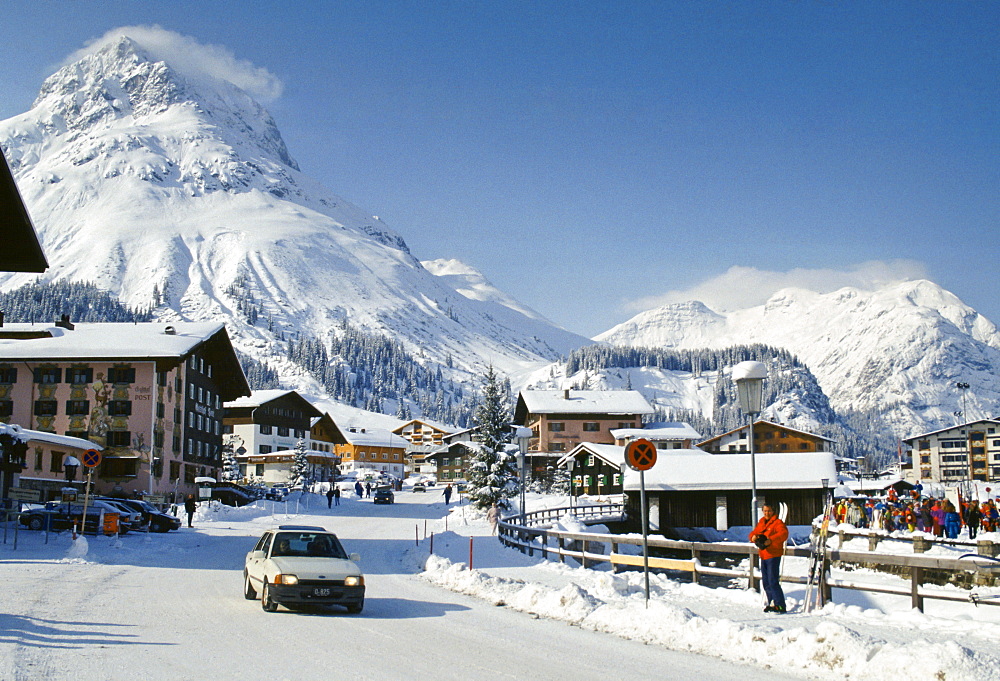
<point>303,565</point>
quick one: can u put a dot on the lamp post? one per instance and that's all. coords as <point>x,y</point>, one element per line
<point>571,464</point>
<point>749,377</point>
<point>964,387</point>
<point>523,436</point>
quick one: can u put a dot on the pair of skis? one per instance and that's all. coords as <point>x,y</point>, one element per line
<point>817,562</point>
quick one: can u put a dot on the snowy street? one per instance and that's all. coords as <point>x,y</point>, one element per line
<point>171,607</point>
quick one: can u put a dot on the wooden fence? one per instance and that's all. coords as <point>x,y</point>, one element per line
<point>534,535</point>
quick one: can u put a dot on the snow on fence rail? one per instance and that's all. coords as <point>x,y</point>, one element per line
<point>535,534</point>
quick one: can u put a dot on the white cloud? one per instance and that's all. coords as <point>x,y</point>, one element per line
<point>743,287</point>
<point>193,59</point>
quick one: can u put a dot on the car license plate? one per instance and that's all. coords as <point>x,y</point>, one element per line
<point>321,592</point>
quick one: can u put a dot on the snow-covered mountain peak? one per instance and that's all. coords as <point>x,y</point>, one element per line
<point>899,349</point>
<point>149,171</point>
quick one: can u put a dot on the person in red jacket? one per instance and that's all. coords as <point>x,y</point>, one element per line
<point>770,535</point>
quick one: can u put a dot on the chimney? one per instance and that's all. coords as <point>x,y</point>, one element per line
<point>566,393</point>
<point>65,323</point>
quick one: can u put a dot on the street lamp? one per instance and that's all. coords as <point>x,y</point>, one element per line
<point>964,387</point>
<point>749,377</point>
<point>71,465</point>
<point>523,436</point>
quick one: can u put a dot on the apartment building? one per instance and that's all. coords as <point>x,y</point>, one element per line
<point>149,394</point>
<point>969,451</point>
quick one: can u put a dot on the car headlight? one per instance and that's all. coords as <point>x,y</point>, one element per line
<point>354,580</point>
<point>285,579</point>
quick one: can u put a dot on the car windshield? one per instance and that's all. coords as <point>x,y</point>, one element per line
<point>308,544</point>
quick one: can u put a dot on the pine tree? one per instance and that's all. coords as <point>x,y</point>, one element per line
<point>299,473</point>
<point>230,466</point>
<point>492,473</point>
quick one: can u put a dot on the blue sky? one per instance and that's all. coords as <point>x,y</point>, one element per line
<point>596,158</point>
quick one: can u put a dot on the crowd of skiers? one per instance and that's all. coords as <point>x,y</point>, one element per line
<point>939,517</point>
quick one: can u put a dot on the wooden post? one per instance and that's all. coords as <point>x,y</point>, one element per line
<point>752,580</point>
<point>825,590</point>
<point>984,547</point>
<point>583,552</point>
<point>921,544</point>
<point>873,539</point>
<point>916,577</point>
<point>562,550</point>
<point>696,557</point>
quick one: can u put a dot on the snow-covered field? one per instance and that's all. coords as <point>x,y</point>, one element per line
<point>170,607</point>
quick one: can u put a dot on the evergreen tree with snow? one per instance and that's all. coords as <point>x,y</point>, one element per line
<point>300,466</point>
<point>230,466</point>
<point>492,473</point>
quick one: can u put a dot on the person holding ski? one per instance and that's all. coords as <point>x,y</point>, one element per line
<point>769,535</point>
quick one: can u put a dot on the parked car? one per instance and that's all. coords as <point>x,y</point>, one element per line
<point>129,519</point>
<point>276,493</point>
<point>419,487</point>
<point>59,516</point>
<point>158,520</point>
<point>383,495</point>
<point>294,565</point>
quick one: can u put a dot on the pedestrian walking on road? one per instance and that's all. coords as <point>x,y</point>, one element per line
<point>368,489</point>
<point>336,495</point>
<point>447,494</point>
<point>493,515</point>
<point>359,490</point>
<point>329,496</point>
<point>770,535</point>
<point>190,505</point>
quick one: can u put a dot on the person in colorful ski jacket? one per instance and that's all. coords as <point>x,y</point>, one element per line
<point>770,535</point>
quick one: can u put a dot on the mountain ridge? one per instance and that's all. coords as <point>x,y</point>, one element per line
<point>167,190</point>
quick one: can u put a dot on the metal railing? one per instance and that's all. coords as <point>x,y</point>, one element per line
<point>534,535</point>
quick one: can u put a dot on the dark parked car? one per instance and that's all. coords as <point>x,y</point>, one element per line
<point>157,519</point>
<point>383,495</point>
<point>59,516</point>
<point>276,493</point>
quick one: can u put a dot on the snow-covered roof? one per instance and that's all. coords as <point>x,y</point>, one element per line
<point>970,424</point>
<point>770,423</point>
<point>433,424</point>
<point>368,437</point>
<point>613,454</point>
<point>583,402</point>
<point>694,469</point>
<point>258,397</point>
<point>103,340</point>
<point>27,435</point>
<point>658,431</point>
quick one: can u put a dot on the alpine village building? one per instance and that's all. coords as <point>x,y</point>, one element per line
<point>969,451</point>
<point>149,395</point>
<point>562,419</point>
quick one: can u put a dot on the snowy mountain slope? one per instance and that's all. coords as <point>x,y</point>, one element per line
<point>901,349</point>
<point>173,187</point>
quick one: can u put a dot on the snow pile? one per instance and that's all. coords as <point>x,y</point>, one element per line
<point>615,604</point>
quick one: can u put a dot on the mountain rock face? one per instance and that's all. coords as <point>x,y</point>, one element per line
<point>900,350</point>
<point>175,190</point>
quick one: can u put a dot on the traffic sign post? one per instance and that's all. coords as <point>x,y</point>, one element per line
<point>640,455</point>
<point>91,459</point>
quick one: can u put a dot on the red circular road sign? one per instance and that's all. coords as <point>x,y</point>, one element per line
<point>91,458</point>
<point>640,455</point>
